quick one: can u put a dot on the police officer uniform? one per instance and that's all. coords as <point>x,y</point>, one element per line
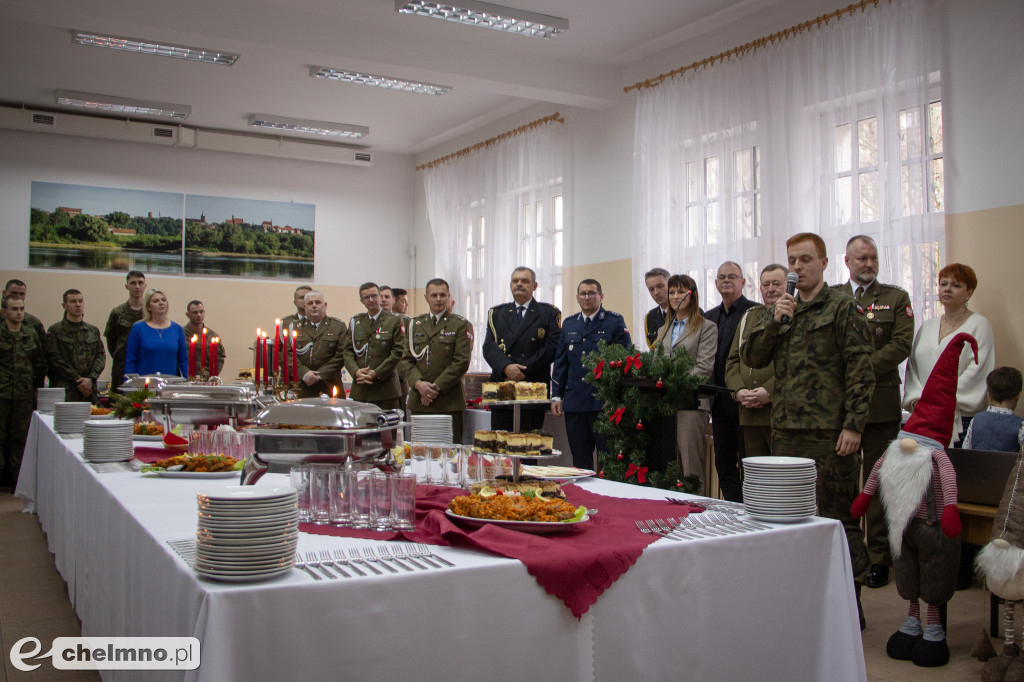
<point>74,350</point>
<point>890,321</point>
<point>119,325</point>
<point>210,334</point>
<point>580,403</point>
<point>377,343</point>
<point>22,369</point>
<point>439,353</point>
<point>531,342</point>
<point>317,350</point>
<point>653,322</point>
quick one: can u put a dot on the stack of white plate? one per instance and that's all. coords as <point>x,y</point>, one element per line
<point>431,428</point>
<point>246,533</point>
<point>46,397</point>
<point>69,417</point>
<point>779,489</point>
<point>108,440</point>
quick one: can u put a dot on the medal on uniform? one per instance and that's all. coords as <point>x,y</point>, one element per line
<point>871,316</point>
<point>570,346</point>
<point>541,332</point>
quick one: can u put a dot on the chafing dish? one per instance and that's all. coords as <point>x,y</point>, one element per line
<point>135,382</point>
<point>203,404</point>
<point>322,431</point>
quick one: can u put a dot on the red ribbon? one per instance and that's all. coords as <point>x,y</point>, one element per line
<point>617,415</point>
<point>598,369</point>
<point>641,473</point>
<point>633,362</point>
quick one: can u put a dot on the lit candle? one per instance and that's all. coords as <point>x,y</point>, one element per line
<point>334,392</point>
<point>295,356</point>
<point>284,363</point>
<point>259,355</point>
<point>266,359</point>
<point>147,383</point>
<point>213,355</point>
<point>202,351</point>
<point>192,357</point>
<point>277,344</point>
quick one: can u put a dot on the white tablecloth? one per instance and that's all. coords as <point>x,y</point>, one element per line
<point>774,605</point>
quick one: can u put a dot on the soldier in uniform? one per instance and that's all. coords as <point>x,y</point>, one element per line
<point>401,304</point>
<point>17,288</point>
<point>436,358</point>
<point>74,351</point>
<point>294,321</point>
<point>656,280</point>
<point>196,313</point>
<point>376,348</point>
<point>573,397</point>
<point>891,324</point>
<point>823,384</point>
<point>22,370</point>
<point>520,344</point>
<point>400,307</point>
<point>119,325</point>
<point>319,342</point>
<point>387,299</point>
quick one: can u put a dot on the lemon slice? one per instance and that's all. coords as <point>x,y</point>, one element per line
<point>488,491</point>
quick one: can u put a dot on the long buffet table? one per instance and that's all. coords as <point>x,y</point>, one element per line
<point>774,604</point>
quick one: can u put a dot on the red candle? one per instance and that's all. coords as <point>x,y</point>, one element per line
<point>266,359</point>
<point>284,363</point>
<point>213,355</point>
<point>202,351</point>
<point>259,355</point>
<point>192,357</point>
<point>277,345</point>
<point>295,356</point>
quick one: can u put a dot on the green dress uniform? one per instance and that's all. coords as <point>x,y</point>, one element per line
<point>74,350</point>
<point>403,394</point>
<point>377,343</point>
<point>318,351</point>
<point>890,320</point>
<point>755,422</point>
<point>210,333</point>
<point>823,384</point>
<point>439,353</point>
<point>291,322</point>
<point>119,325</point>
<point>22,370</point>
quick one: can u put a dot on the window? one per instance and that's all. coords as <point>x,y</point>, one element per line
<point>476,262</point>
<point>541,242</point>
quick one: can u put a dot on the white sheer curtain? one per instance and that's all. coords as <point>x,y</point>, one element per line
<point>493,210</point>
<point>835,131</point>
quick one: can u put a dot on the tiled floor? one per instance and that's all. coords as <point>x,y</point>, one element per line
<point>33,603</point>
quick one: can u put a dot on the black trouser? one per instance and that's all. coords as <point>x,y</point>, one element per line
<point>530,418</point>
<point>579,429</point>
<point>729,449</point>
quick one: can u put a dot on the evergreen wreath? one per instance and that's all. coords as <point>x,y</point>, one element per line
<point>637,388</point>
<point>131,405</point>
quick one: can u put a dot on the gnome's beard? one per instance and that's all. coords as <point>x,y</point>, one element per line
<point>903,482</point>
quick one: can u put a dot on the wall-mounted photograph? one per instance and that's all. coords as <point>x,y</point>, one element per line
<point>248,237</point>
<point>102,228</point>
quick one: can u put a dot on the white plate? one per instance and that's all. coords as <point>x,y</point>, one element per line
<point>775,461</point>
<point>196,474</point>
<point>534,527</point>
<point>780,519</point>
<point>243,577</point>
<point>148,438</point>
<point>246,493</point>
<point>253,541</point>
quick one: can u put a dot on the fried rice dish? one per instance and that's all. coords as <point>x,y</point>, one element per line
<point>209,463</point>
<point>512,508</point>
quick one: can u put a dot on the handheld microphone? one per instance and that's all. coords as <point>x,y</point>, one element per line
<point>791,280</point>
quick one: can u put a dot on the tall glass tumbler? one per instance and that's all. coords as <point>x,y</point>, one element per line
<point>299,479</point>
<point>380,500</point>
<point>360,491</point>
<point>340,502</point>
<point>403,501</point>
<point>320,493</point>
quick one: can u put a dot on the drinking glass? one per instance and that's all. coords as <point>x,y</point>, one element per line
<point>418,455</point>
<point>469,466</point>
<point>403,501</point>
<point>360,492</point>
<point>380,500</point>
<point>320,494</point>
<point>434,468</point>
<point>299,478</point>
<point>340,515</point>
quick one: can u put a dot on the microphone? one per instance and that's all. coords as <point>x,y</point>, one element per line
<point>791,280</point>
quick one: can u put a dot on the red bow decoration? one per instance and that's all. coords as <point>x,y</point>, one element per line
<point>598,369</point>
<point>633,362</point>
<point>617,415</point>
<point>641,473</point>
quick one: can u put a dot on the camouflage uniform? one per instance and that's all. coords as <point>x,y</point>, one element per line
<point>379,345</point>
<point>823,384</point>
<point>891,325</point>
<point>74,350</point>
<point>119,325</point>
<point>31,320</point>
<point>22,369</point>
<point>318,351</point>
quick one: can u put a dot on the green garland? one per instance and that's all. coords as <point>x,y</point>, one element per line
<point>628,407</point>
<point>131,405</point>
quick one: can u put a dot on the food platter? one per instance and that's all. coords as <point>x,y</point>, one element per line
<point>154,439</point>
<point>553,473</point>
<point>195,474</point>
<point>534,527</point>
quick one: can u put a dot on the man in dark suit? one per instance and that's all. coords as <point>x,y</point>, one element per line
<point>656,280</point>
<point>573,397</point>
<point>520,344</point>
<point>725,414</point>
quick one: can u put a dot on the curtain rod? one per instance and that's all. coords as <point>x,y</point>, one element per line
<point>754,45</point>
<point>556,117</point>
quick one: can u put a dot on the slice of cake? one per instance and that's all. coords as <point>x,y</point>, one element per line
<point>547,443</point>
<point>533,443</point>
<point>500,442</point>
<point>529,390</point>
<point>485,440</point>
<point>507,390</point>
<point>489,391</point>
<point>516,443</point>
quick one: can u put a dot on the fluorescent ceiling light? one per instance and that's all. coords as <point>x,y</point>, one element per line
<point>119,105</point>
<point>378,81</point>
<point>298,125</point>
<point>488,15</point>
<point>196,54</point>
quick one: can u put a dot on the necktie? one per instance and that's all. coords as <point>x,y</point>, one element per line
<point>586,323</point>
<point>860,292</point>
<point>522,312</point>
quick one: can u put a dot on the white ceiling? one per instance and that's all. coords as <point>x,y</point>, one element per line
<point>493,74</point>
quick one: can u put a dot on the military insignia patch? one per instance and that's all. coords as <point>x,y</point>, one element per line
<point>541,332</point>
<point>469,335</point>
<point>910,311</point>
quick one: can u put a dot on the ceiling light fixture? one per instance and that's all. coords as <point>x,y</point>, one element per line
<point>120,105</point>
<point>196,54</point>
<point>298,125</point>
<point>378,81</point>
<point>485,14</point>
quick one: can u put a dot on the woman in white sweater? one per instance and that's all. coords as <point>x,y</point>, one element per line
<point>956,286</point>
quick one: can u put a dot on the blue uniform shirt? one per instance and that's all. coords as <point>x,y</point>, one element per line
<point>568,370</point>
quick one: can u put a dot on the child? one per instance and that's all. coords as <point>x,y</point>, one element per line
<point>998,428</point>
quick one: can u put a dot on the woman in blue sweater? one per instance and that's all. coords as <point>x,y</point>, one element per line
<point>156,344</point>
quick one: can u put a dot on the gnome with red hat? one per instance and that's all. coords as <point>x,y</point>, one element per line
<point>918,488</point>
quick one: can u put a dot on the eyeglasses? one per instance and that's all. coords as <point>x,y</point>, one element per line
<point>588,294</point>
<point>369,297</point>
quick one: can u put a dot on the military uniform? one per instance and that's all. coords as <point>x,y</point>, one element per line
<point>580,403</point>
<point>22,370</point>
<point>292,322</point>
<point>318,351</point>
<point>531,343</point>
<point>74,350</point>
<point>210,333</point>
<point>756,423</point>
<point>439,354</point>
<point>823,384</point>
<point>119,325</point>
<point>36,324</point>
<point>378,344</point>
<point>891,325</point>
<point>653,322</point>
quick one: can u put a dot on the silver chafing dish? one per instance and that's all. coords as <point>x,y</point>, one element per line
<point>203,404</point>
<point>322,431</point>
<point>136,382</point>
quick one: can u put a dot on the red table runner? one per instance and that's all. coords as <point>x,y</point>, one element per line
<point>152,455</point>
<point>576,566</point>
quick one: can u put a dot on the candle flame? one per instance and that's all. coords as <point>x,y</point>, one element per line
<point>264,336</point>
<point>204,331</point>
<point>147,382</point>
<point>194,338</point>
<point>334,392</point>
<point>258,332</point>
<point>295,334</point>
<point>277,321</point>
